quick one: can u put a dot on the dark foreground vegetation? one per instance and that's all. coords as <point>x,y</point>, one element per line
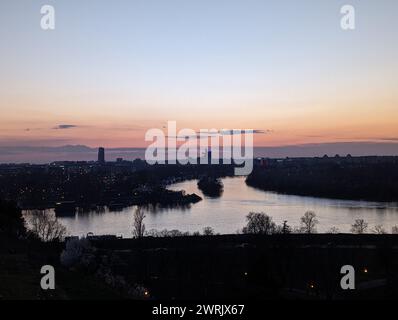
<point>246,266</point>
<point>23,253</point>
<point>260,267</point>
<point>356,178</point>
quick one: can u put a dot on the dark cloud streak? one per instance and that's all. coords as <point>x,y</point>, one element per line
<point>65,126</point>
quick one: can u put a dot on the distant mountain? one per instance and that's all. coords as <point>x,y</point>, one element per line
<point>27,149</point>
<point>43,154</point>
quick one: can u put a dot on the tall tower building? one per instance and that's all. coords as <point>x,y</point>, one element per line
<point>101,155</point>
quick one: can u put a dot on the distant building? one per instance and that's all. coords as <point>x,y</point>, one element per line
<point>101,155</point>
<point>263,162</point>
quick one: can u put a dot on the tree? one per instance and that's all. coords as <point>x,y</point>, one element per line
<point>334,230</point>
<point>46,226</point>
<point>394,230</point>
<point>208,231</point>
<point>308,222</point>
<point>379,229</point>
<point>138,223</point>
<point>11,219</point>
<point>285,229</point>
<point>359,227</point>
<point>259,223</point>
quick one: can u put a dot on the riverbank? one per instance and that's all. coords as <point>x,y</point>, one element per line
<point>348,178</point>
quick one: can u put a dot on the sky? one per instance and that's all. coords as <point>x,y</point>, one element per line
<point>111,70</point>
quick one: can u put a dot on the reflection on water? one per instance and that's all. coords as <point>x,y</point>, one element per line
<point>227,213</point>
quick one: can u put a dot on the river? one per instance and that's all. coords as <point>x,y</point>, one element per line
<point>227,213</point>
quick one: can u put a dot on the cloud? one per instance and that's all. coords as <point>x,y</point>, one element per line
<point>65,126</point>
<point>224,132</point>
<point>387,139</point>
<point>239,131</point>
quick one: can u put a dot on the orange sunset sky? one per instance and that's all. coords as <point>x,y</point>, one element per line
<point>112,70</point>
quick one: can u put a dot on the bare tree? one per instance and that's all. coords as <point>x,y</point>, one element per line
<point>46,226</point>
<point>394,230</point>
<point>168,233</point>
<point>379,229</point>
<point>138,223</point>
<point>285,228</point>
<point>259,223</point>
<point>359,227</point>
<point>208,231</point>
<point>309,222</point>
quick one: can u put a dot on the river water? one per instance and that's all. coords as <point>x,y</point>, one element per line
<point>227,213</point>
